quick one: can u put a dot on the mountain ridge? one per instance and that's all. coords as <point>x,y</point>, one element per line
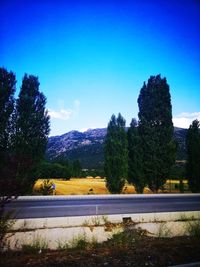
<point>88,146</point>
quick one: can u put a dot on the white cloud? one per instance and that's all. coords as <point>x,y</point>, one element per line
<point>184,119</point>
<point>65,114</point>
<point>62,114</point>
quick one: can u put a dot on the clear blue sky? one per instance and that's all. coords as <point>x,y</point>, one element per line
<point>92,57</point>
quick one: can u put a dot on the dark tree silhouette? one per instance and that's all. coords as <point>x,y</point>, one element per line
<point>31,131</point>
<point>116,154</point>
<point>135,158</point>
<point>7,164</point>
<point>156,131</point>
<point>193,153</point>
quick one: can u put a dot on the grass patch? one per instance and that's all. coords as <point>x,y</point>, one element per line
<point>125,238</point>
<point>193,228</point>
<point>80,242</point>
<point>163,231</point>
<point>5,226</point>
<point>62,245</point>
<point>37,245</point>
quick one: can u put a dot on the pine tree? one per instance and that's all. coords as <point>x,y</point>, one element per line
<point>76,166</point>
<point>31,130</point>
<point>156,131</point>
<point>116,154</point>
<point>135,163</point>
<point>193,154</point>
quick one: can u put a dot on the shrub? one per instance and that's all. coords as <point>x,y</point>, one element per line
<point>5,225</point>
<point>46,187</point>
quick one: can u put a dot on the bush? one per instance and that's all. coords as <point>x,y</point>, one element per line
<point>54,170</point>
<point>46,187</point>
<point>5,225</point>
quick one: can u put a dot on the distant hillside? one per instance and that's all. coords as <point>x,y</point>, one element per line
<point>88,146</point>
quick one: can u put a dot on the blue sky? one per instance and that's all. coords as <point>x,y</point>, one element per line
<point>92,57</point>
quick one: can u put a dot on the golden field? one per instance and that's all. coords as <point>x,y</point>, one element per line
<point>90,185</point>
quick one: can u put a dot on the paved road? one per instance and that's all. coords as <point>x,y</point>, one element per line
<point>78,206</point>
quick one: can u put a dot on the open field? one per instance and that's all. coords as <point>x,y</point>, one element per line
<point>85,186</point>
<point>82,186</point>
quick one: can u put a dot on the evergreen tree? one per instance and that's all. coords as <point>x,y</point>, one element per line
<point>7,90</point>
<point>193,153</point>
<point>116,154</point>
<point>53,170</point>
<point>7,163</point>
<point>76,166</point>
<point>156,131</point>
<point>135,163</point>
<point>31,130</point>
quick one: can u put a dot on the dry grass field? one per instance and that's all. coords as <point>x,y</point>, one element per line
<point>90,185</point>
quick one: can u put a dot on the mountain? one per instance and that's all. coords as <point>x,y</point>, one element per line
<point>88,146</point>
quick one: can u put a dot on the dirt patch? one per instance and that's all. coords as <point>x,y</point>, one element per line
<point>136,251</point>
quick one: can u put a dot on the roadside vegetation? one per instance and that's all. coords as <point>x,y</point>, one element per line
<point>126,248</point>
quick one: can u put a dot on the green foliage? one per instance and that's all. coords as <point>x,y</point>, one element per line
<point>193,228</point>
<point>37,245</point>
<point>193,152</point>
<point>5,225</point>
<point>125,238</point>
<point>163,230</point>
<point>54,170</point>
<point>76,165</point>
<point>116,154</point>
<point>177,171</point>
<point>80,242</point>
<point>156,131</point>
<point>31,130</point>
<point>135,158</point>
<point>62,245</point>
<point>46,187</point>
<point>7,90</point>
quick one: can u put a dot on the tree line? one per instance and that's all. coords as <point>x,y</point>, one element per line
<point>145,154</point>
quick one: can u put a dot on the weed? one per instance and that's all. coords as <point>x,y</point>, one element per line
<point>93,243</point>
<point>163,230</point>
<point>105,219</point>
<point>5,226</point>
<point>193,228</point>
<point>46,188</point>
<point>185,218</point>
<point>125,238</point>
<point>62,245</point>
<point>38,244</point>
<point>79,242</point>
<point>96,221</point>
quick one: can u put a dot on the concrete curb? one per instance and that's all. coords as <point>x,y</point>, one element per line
<point>74,221</point>
<point>64,197</point>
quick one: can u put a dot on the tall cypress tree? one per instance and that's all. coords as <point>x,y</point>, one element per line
<point>7,170</point>
<point>32,129</point>
<point>7,90</point>
<point>156,131</point>
<point>193,154</point>
<point>116,154</point>
<point>135,158</point>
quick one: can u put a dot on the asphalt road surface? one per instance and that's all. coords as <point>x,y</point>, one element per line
<point>76,206</point>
